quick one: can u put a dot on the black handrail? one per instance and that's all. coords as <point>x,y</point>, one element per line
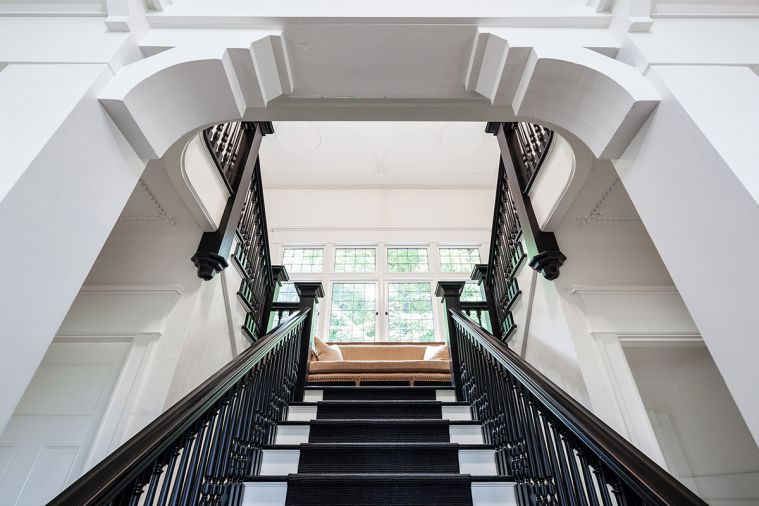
<point>202,447</point>
<point>557,451</point>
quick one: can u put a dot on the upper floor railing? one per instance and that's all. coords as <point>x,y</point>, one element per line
<point>531,143</point>
<point>234,147</point>
<point>557,451</point>
<point>202,448</point>
<point>516,237</point>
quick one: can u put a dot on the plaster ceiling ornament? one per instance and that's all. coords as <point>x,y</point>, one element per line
<point>602,212</point>
<point>298,137</point>
<point>462,138</point>
<point>139,201</point>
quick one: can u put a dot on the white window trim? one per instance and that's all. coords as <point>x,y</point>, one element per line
<point>381,277</point>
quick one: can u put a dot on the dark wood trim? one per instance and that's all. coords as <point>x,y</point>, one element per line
<point>542,247</point>
<point>125,464</point>
<point>450,292</point>
<point>214,247</point>
<point>309,293</point>
<point>641,474</point>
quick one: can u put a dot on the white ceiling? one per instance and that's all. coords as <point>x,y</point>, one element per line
<point>379,155</point>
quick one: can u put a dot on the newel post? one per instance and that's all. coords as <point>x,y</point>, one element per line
<point>309,294</point>
<point>450,292</point>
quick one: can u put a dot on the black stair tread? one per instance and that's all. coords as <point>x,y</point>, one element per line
<point>401,446</point>
<point>374,402</point>
<point>378,387</point>
<point>379,477</point>
<point>380,421</point>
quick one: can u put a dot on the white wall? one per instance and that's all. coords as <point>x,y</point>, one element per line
<point>698,202</point>
<point>61,195</point>
<point>705,441</point>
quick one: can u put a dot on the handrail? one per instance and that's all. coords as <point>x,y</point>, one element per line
<point>635,479</point>
<point>205,416</point>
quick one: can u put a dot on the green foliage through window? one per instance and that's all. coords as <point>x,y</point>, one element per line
<point>472,293</point>
<point>355,260</point>
<point>458,259</point>
<point>410,312</point>
<point>407,260</point>
<point>287,293</point>
<point>352,317</point>
<point>303,259</point>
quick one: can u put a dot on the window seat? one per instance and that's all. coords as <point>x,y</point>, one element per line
<point>367,362</point>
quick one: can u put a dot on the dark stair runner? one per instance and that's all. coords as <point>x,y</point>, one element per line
<point>379,446</point>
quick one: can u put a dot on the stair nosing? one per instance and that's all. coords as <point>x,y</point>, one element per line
<point>381,476</point>
<point>361,445</point>
<point>337,421</point>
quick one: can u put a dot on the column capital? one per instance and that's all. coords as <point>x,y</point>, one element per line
<point>279,273</point>
<point>479,272</point>
<point>447,289</point>
<point>309,289</point>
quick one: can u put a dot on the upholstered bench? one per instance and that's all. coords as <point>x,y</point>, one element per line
<point>367,362</point>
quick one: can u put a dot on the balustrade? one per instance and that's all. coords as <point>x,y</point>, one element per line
<point>556,450</point>
<point>201,449</point>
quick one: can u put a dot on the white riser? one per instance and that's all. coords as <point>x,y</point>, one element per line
<point>308,413</point>
<point>297,434</point>
<point>275,494</point>
<point>440,395</point>
<point>475,462</point>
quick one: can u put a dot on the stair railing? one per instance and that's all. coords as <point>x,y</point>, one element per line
<point>516,237</point>
<point>200,450</point>
<point>557,451</point>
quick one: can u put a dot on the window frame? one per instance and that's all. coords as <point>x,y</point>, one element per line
<point>382,276</point>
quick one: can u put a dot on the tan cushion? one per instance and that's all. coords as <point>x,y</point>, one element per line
<point>326,352</point>
<point>375,366</point>
<point>383,352</point>
<point>436,352</point>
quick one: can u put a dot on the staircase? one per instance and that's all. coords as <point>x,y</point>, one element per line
<point>379,446</point>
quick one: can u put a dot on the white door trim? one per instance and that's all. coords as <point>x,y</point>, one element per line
<point>111,432</point>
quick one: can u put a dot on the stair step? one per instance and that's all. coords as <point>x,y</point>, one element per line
<point>379,431</point>
<point>328,410</point>
<point>378,458</point>
<point>378,490</point>
<point>314,394</point>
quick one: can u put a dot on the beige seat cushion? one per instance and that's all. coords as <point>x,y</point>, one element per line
<point>379,366</point>
<point>383,351</point>
<point>326,352</point>
<point>436,352</point>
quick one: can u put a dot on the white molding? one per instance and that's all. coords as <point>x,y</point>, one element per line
<point>377,229</point>
<point>622,289</point>
<point>159,214</point>
<point>109,289</point>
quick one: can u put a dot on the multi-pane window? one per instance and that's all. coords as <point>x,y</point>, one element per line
<point>410,312</point>
<point>355,260</point>
<point>407,260</point>
<point>287,293</point>
<point>352,317</point>
<point>303,259</point>
<point>458,259</point>
<point>472,293</point>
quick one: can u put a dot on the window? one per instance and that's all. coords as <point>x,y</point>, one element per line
<point>407,260</point>
<point>355,260</point>
<point>303,259</point>
<point>472,293</point>
<point>287,293</point>
<point>352,317</point>
<point>410,312</point>
<point>458,259</point>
